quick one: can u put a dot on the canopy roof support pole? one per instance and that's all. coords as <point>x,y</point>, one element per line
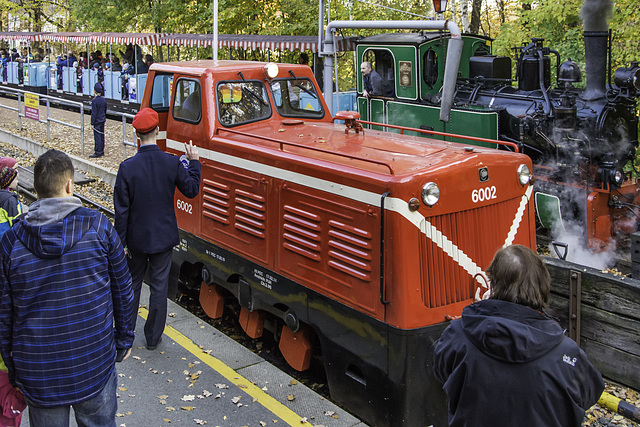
<point>215,29</point>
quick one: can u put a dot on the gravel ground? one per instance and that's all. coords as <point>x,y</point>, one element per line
<point>67,139</point>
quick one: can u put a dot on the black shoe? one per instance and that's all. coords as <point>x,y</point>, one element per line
<point>96,155</point>
<point>153,347</point>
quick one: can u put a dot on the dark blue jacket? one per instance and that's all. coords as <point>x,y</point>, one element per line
<point>143,198</point>
<point>504,364</point>
<point>66,302</point>
<point>98,110</point>
<point>10,208</point>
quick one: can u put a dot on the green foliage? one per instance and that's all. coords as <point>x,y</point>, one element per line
<point>31,15</point>
<point>559,23</point>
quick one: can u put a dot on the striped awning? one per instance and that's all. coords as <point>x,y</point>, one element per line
<point>119,38</point>
<point>237,41</point>
<point>253,41</point>
<point>148,39</point>
<point>18,35</point>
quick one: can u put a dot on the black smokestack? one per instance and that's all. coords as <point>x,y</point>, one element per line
<point>595,14</point>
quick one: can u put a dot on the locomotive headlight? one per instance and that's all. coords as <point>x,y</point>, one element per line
<point>430,193</point>
<point>271,70</point>
<point>628,77</point>
<point>617,177</point>
<point>524,175</point>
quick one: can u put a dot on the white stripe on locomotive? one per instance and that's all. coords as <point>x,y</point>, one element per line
<point>391,203</point>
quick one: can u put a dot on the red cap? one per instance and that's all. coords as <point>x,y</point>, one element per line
<point>8,162</point>
<point>145,121</point>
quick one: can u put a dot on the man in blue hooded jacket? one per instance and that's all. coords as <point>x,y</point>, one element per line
<point>505,363</point>
<point>66,303</point>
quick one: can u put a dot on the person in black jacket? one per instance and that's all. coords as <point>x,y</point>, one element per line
<point>98,119</point>
<point>505,363</point>
<point>145,217</point>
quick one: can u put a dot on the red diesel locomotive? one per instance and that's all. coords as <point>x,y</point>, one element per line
<point>353,245</point>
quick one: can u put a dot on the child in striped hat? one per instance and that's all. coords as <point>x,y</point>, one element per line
<point>10,206</point>
<point>12,401</point>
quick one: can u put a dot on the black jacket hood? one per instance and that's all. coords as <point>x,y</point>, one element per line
<point>510,332</point>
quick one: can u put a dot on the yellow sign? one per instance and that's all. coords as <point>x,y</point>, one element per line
<point>31,100</point>
<point>31,106</point>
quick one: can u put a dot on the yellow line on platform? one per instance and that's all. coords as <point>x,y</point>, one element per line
<point>277,408</point>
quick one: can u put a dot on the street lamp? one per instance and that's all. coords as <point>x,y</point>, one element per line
<point>440,6</point>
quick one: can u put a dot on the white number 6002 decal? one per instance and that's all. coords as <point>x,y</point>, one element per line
<point>482,194</point>
<point>184,206</point>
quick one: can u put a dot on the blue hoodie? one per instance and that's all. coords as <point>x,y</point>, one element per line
<point>66,302</point>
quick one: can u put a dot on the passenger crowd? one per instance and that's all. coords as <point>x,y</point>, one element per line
<point>131,62</point>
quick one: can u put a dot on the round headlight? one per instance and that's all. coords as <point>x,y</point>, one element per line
<point>524,175</point>
<point>271,70</point>
<point>618,177</point>
<point>430,193</point>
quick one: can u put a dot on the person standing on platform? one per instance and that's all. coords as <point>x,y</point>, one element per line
<point>66,303</point>
<point>506,363</point>
<point>145,217</point>
<point>98,119</point>
<point>10,206</point>
<point>11,399</point>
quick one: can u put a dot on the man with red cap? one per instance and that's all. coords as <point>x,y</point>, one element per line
<point>145,217</point>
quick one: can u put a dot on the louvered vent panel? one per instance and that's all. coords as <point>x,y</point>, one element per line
<point>302,231</point>
<point>350,250</point>
<point>215,204</point>
<point>250,213</point>
<point>477,233</point>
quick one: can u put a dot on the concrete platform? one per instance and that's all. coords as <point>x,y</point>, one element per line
<point>199,376</point>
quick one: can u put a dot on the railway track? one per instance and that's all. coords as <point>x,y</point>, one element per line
<point>25,188</point>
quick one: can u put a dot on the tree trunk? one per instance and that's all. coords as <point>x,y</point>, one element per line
<point>501,6</point>
<point>474,26</point>
<point>464,15</point>
<point>453,7</point>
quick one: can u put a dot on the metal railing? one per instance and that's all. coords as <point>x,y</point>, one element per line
<point>126,143</point>
<point>20,94</point>
<point>55,100</point>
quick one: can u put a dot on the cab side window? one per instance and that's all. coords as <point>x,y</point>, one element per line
<point>161,93</point>
<point>187,103</point>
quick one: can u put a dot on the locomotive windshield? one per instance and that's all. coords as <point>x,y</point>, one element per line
<point>242,102</point>
<point>296,97</point>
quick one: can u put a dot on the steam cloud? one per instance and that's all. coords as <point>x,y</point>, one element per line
<point>596,14</point>
<point>578,252</point>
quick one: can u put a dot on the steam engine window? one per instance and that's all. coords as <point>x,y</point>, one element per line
<point>383,63</point>
<point>296,98</point>
<point>187,104</point>
<point>242,102</point>
<point>430,68</point>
